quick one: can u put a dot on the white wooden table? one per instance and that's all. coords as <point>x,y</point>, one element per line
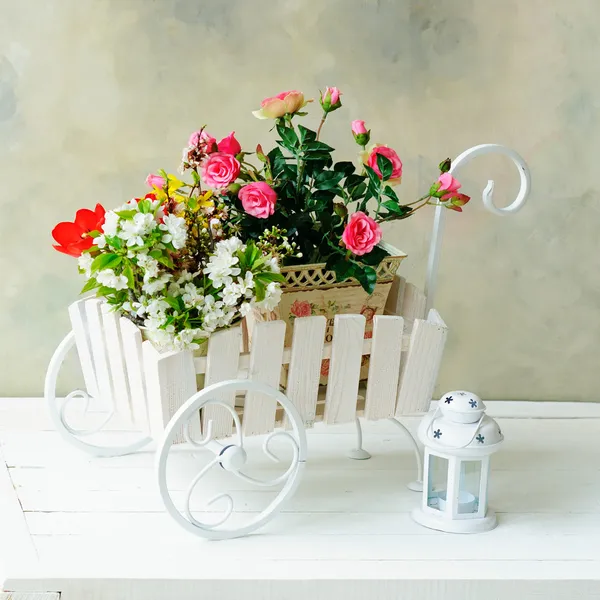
<point>95,529</point>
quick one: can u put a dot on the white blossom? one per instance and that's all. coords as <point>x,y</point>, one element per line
<point>176,231</point>
<point>149,264</point>
<point>152,286</point>
<point>85,263</point>
<point>100,241</point>
<point>272,297</point>
<point>111,223</point>
<point>192,296</point>
<point>108,278</point>
<point>245,309</point>
<point>133,230</point>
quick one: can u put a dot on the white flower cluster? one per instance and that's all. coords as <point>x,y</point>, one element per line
<point>232,294</point>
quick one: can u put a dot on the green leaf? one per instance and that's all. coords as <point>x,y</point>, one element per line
<point>115,242</point>
<point>104,290</point>
<point>193,202</point>
<point>173,302</point>
<point>277,162</point>
<point>155,254</point>
<point>343,268</point>
<point>90,284</point>
<point>268,277</point>
<point>384,164</point>
<point>317,156</point>
<point>367,277</point>
<point>326,180</point>
<point>106,261</point>
<point>357,192</point>
<point>145,205</point>
<point>374,257</point>
<point>317,147</point>
<point>306,135</point>
<point>346,167</point>
<point>289,139</point>
<point>396,209</point>
<point>165,259</point>
<point>260,290</point>
<point>126,214</point>
<point>128,272</point>
<point>195,177</point>
<point>391,194</point>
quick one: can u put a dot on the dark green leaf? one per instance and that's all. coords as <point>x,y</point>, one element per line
<point>328,179</point>
<point>106,261</point>
<point>317,147</point>
<point>396,209</point>
<point>306,135</point>
<point>384,164</point>
<point>391,194</point>
<point>343,269</point>
<point>317,156</point>
<point>357,191</point>
<point>346,167</point>
<point>289,139</point>
<point>174,303</point>
<point>367,277</point>
<point>374,257</point>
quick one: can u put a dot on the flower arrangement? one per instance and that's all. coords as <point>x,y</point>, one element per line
<point>192,257</point>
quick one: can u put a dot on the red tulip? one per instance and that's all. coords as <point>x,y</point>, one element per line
<point>73,238</point>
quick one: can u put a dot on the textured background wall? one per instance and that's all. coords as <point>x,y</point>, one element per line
<point>95,94</point>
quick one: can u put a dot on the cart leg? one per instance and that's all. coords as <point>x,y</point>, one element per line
<point>358,453</point>
<point>415,486</point>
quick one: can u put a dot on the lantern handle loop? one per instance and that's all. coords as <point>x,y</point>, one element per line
<point>488,201</point>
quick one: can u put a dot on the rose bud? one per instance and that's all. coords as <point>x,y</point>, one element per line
<point>330,99</point>
<point>360,133</point>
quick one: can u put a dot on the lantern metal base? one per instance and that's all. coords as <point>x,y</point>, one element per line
<point>432,521</point>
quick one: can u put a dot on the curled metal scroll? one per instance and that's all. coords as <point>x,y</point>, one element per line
<point>488,202</point>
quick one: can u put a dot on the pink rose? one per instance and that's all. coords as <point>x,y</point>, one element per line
<point>258,199</point>
<point>229,145</point>
<point>277,106</point>
<point>155,181</point>
<point>448,184</point>
<point>391,155</point>
<point>204,140</point>
<point>362,234</point>
<point>220,169</point>
<point>301,308</point>
<point>330,99</point>
<point>358,127</point>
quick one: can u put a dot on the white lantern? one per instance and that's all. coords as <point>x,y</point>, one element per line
<point>459,438</point>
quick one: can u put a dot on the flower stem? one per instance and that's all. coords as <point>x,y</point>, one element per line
<point>321,125</point>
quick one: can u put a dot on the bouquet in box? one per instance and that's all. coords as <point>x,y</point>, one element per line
<point>193,257</point>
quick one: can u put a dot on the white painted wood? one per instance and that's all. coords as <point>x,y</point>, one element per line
<point>222,364</point>
<point>413,304</point>
<point>116,361</point>
<point>131,338</point>
<point>95,327</point>
<point>421,367</point>
<point>265,365</point>
<point>344,368</point>
<point>384,367</point>
<point>29,596</point>
<point>348,534</point>
<point>393,305</point>
<point>170,381</point>
<point>305,366</point>
<point>78,319</point>
<point>17,549</point>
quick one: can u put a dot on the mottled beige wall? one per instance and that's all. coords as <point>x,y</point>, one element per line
<point>95,93</point>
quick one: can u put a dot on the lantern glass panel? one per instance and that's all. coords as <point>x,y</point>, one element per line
<point>469,486</point>
<point>437,481</point>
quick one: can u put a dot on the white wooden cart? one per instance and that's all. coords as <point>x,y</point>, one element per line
<point>214,403</point>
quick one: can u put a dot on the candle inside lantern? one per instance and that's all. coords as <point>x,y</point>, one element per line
<point>467,502</point>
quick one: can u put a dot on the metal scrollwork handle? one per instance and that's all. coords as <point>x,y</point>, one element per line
<point>488,202</point>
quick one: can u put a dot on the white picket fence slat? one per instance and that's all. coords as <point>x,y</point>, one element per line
<point>344,368</point>
<point>305,366</point>
<point>384,367</point>
<point>131,338</point>
<point>265,365</point>
<point>420,370</point>
<point>171,380</point>
<point>222,364</point>
<point>93,311</point>
<point>79,324</point>
<point>116,361</point>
